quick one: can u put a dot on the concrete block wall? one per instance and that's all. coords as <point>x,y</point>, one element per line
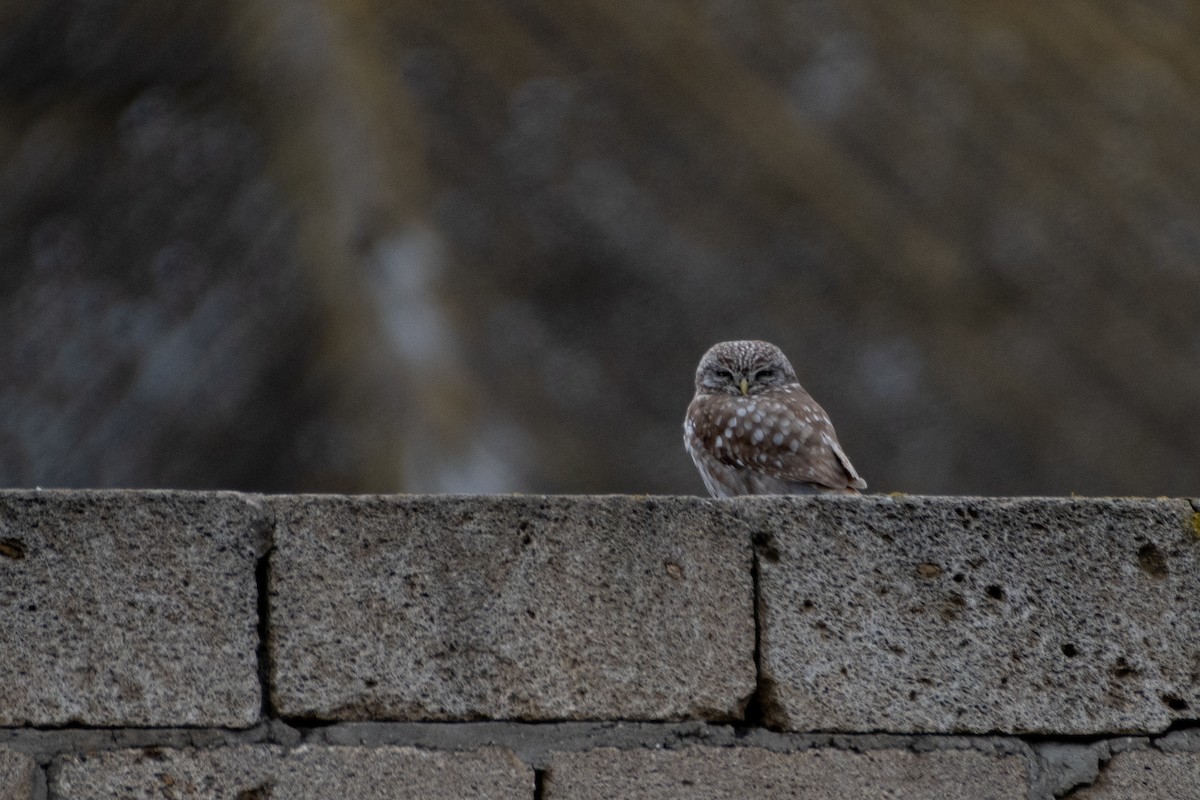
<point>179,645</point>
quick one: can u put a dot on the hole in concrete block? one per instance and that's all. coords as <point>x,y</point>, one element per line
<point>765,545</point>
<point>995,592</point>
<point>1152,561</point>
<point>929,570</point>
<point>1174,702</point>
<point>754,715</point>
<point>763,709</point>
<point>952,607</point>
<point>1122,668</point>
<point>12,548</point>
<point>260,792</point>
<point>1070,650</point>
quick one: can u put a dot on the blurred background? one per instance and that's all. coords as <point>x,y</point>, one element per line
<point>480,245</point>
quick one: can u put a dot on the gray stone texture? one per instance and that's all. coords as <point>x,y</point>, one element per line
<point>1064,765</point>
<point>17,776</point>
<point>129,608</point>
<point>1146,775</point>
<point>532,608</point>
<point>696,773</point>
<point>908,614</point>
<point>266,771</point>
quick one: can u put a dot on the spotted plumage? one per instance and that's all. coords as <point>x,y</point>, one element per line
<point>751,427</point>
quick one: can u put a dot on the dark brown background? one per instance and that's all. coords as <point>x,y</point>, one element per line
<point>480,246</point>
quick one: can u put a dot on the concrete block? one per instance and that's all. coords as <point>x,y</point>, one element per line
<point>697,773</point>
<point>129,608</point>
<point>264,771</point>
<point>530,608</point>
<point>17,775</point>
<point>1048,616</point>
<point>1146,775</point>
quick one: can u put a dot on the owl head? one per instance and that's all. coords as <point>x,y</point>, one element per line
<point>743,368</point>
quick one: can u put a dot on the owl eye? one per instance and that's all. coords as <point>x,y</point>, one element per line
<point>723,374</point>
<point>765,375</point>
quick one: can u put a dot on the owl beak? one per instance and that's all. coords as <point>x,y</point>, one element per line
<point>745,384</point>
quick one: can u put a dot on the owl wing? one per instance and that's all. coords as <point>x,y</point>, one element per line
<point>784,433</point>
<point>809,452</point>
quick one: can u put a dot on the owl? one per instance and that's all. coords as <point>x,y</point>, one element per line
<point>752,429</point>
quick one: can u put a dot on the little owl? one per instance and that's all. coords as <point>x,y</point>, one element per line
<point>752,429</point>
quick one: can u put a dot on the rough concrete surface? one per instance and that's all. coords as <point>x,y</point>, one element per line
<point>515,607</point>
<point>908,614</point>
<point>129,608</point>
<point>1146,775</point>
<point>264,771</point>
<point>17,775</point>
<point>696,773</point>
